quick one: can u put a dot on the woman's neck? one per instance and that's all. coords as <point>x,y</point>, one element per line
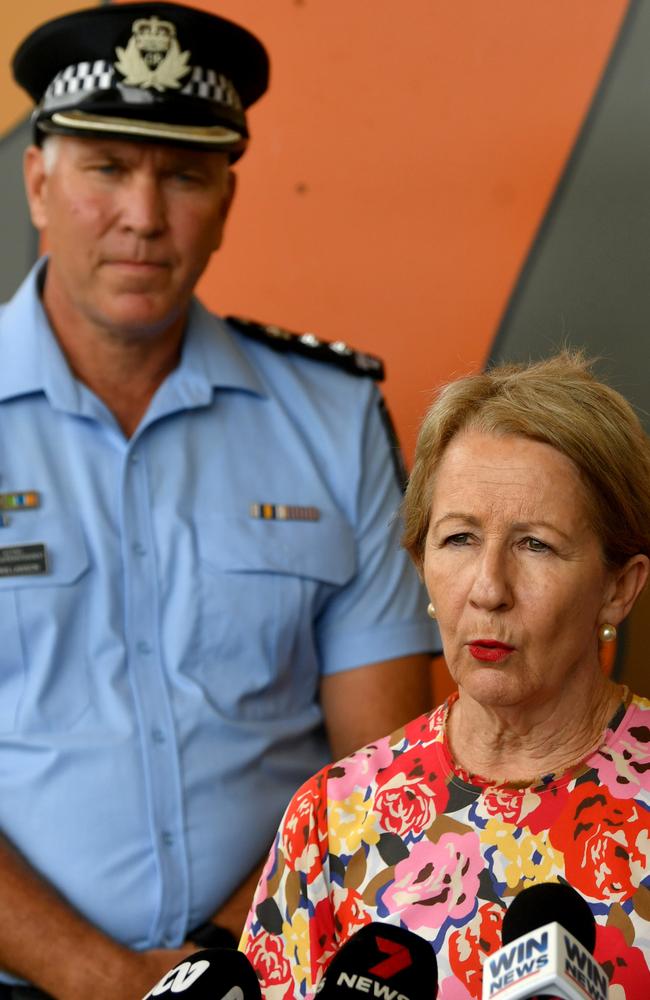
<point>511,746</point>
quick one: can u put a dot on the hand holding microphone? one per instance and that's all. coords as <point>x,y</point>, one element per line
<point>549,934</point>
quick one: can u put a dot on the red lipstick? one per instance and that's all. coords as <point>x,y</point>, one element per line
<point>489,650</point>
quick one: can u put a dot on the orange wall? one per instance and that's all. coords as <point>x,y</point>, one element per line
<point>400,165</point>
<point>399,168</point>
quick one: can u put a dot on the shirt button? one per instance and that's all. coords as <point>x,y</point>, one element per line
<point>158,736</point>
<point>135,458</point>
<point>167,838</point>
<point>139,549</point>
<point>143,646</point>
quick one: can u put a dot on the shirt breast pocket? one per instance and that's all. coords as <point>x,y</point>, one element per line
<point>43,634</point>
<point>262,584</point>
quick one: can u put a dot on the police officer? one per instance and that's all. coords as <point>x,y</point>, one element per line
<point>202,594</point>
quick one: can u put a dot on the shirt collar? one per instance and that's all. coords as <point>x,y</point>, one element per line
<point>32,358</point>
<point>212,355</point>
<point>33,361</point>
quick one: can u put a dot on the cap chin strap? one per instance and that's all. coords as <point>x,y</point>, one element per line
<point>213,135</point>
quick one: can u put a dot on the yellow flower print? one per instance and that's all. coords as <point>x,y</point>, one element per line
<point>296,937</point>
<point>351,823</point>
<point>528,858</point>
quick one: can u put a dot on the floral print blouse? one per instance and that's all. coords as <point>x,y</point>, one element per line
<point>397,833</point>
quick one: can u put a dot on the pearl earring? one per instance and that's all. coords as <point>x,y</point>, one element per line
<point>607,632</point>
<point>431,611</point>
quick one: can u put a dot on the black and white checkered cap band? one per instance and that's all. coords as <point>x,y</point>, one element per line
<point>87,77</point>
<point>212,86</point>
<point>81,78</point>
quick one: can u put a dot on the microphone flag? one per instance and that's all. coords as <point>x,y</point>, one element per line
<point>383,962</point>
<point>545,961</point>
<point>211,974</point>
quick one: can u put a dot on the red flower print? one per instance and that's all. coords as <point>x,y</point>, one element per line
<point>411,793</point>
<point>536,810</point>
<point>623,963</point>
<point>322,934</point>
<point>299,838</point>
<point>350,912</point>
<point>264,952</point>
<point>425,729</point>
<point>481,936</point>
<point>604,841</point>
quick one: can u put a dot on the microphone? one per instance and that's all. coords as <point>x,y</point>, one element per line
<point>548,935</point>
<point>384,962</point>
<point>211,974</point>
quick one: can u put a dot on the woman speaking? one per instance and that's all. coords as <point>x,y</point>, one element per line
<point>528,516</point>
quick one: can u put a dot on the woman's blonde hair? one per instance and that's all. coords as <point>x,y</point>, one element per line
<point>559,402</point>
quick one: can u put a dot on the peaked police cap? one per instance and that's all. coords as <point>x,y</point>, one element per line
<point>160,72</point>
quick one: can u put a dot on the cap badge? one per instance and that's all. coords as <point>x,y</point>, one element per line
<point>152,57</point>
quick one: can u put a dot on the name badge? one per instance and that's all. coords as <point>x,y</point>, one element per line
<point>23,560</point>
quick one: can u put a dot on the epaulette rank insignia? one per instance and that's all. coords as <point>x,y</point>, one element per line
<point>334,352</point>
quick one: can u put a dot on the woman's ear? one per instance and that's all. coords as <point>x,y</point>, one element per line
<point>626,585</point>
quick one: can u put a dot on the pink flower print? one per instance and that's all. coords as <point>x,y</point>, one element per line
<point>358,770</point>
<point>451,989</point>
<point>623,765</point>
<point>437,881</point>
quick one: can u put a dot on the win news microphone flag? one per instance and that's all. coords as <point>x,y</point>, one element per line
<point>384,962</point>
<point>549,934</point>
<point>211,974</point>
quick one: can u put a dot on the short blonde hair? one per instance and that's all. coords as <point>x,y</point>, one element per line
<point>559,402</point>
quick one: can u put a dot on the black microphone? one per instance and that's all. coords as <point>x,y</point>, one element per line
<point>546,903</point>
<point>384,962</point>
<point>212,974</point>
<point>548,934</point>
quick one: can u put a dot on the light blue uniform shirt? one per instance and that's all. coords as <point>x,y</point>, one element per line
<point>158,685</point>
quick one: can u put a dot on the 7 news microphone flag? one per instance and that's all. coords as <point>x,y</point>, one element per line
<point>384,962</point>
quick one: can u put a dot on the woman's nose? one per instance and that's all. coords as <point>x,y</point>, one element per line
<point>492,585</point>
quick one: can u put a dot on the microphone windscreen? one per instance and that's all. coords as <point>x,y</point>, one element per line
<point>546,903</point>
<point>211,974</point>
<point>383,961</point>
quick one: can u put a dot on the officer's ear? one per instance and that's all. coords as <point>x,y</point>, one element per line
<point>35,172</point>
<point>227,198</point>
<point>232,187</point>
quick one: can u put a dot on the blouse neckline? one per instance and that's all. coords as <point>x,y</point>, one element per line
<point>545,783</point>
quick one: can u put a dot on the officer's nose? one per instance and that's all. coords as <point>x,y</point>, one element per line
<point>143,206</point>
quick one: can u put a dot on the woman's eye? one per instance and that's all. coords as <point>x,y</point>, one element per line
<point>535,545</point>
<point>461,538</point>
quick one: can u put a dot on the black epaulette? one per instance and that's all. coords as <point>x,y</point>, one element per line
<point>334,352</point>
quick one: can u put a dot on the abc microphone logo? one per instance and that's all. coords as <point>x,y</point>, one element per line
<point>182,977</point>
